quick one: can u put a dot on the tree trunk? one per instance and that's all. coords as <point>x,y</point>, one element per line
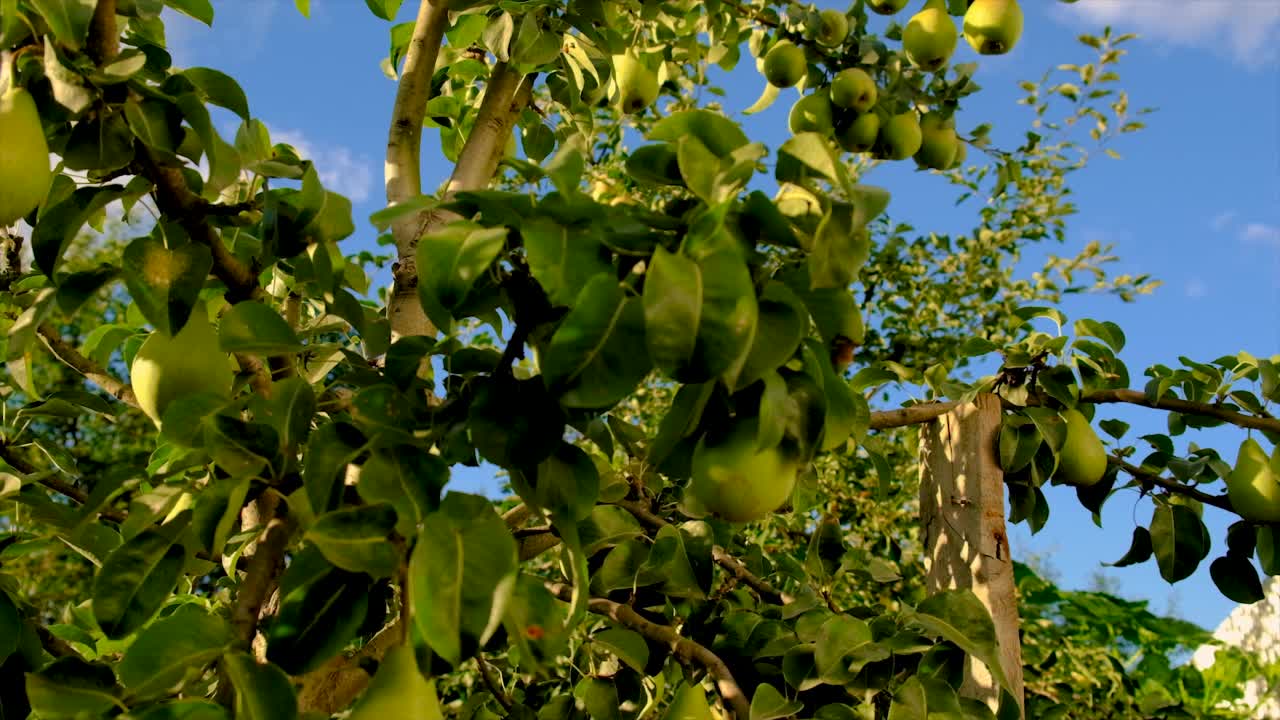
<point>962,513</point>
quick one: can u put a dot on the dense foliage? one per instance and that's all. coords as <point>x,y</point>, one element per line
<point>228,461</point>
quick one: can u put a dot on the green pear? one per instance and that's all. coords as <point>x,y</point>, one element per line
<point>1253,486</point>
<point>939,143</point>
<point>853,89</point>
<point>398,691</point>
<point>887,7</point>
<point>738,481</point>
<point>992,27</point>
<point>860,135</point>
<point>797,202</point>
<point>812,113</point>
<point>24,156</point>
<point>785,65</point>
<point>831,29</point>
<point>930,37</point>
<point>637,84</point>
<point>167,368</point>
<point>962,152</point>
<point>1083,460</point>
<point>900,136</point>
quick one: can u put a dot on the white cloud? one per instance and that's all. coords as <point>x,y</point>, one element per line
<point>1261,234</point>
<point>1196,288</point>
<point>1247,29</point>
<point>1223,220</point>
<point>340,170</point>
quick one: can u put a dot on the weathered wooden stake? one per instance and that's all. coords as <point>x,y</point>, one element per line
<point>962,513</point>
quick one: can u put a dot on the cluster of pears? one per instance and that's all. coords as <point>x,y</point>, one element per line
<point>847,109</point>
<point>991,27</point>
<point>738,479</point>
<point>24,156</point>
<point>168,367</point>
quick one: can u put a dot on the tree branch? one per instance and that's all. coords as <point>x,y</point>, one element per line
<point>682,648</point>
<point>265,566</point>
<point>1149,479</point>
<point>332,687</point>
<point>487,674</point>
<point>93,372</point>
<point>104,40</point>
<point>56,484</point>
<point>1187,407</point>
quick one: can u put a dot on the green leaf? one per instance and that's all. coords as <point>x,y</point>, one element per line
<point>164,654</point>
<point>781,325</point>
<point>628,646</point>
<point>463,567</point>
<point>672,309</point>
<point>384,9</point>
<point>316,620</point>
<point>166,283</point>
<point>331,447</point>
<point>1268,548</point>
<point>1237,579</point>
<point>1139,549</point>
<point>100,144</point>
<point>356,539</point>
<point>68,19</point>
<point>251,327</point>
<point>808,153</point>
<point>450,261</point>
<point>562,259</point>
<point>224,160</point>
<point>60,224</point>
<point>960,617</point>
<point>407,478</point>
<point>201,10</point>
<point>840,637</point>
<point>10,626</point>
<point>566,484</point>
<point>769,704</point>
<point>217,511</point>
<point>596,358</point>
<point>1180,541</point>
<point>514,423</point>
<point>304,7</point>
<point>135,580</point>
<point>71,688</point>
<point>219,89</point>
<point>714,131</point>
<point>185,710</point>
<point>263,692</point>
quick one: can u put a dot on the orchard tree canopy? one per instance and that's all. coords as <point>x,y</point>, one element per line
<point>706,367</point>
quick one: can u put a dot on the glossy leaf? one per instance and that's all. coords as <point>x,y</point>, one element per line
<point>162,656</point>
<point>356,539</point>
<point>595,357</point>
<point>135,580</point>
<point>263,692</point>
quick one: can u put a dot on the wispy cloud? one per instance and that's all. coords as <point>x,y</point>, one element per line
<point>1247,29</point>
<point>1260,234</point>
<point>341,170</point>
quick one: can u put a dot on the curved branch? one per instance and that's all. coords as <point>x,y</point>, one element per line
<point>339,681</point>
<point>1150,478</point>
<point>104,41</point>
<point>1187,407</point>
<point>56,484</point>
<point>91,370</point>
<point>683,648</point>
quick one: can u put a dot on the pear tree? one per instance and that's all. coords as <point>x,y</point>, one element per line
<point>700,364</point>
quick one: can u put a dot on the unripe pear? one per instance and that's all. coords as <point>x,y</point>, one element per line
<point>860,135</point>
<point>738,481</point>
<point>853,89</point>
<point>900,137</point>
<point>832,28</point>
<point>167,368</point>
<point>1083,460</point>
<point>24,156</point>
<point>811,113</point>
<point>939,143</point>
<point>637,84</point>
<point>887,7</point>
<point>398,691</point>
<point>930,37</point>
<point>992,27</point>
<point>962,152</point>
<point>795,202</point>
<point>784,64</point>
<point>1253,486</point>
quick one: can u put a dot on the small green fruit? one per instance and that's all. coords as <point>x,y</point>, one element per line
<point>900,137</point>
<point>1083,460</point>
<point>939,143</point>
<point>930,37</point>
<point>1253,486</point>
<point>812,113</point>
<point>993,27</point>
<point>832,28</point>
<point>399,691</point>
<point>860,135</point>
<point>887,7</point>
<point>853,89</point>
<point>796,202</point>
<point>738,481</point>
<point>24,156</point>
<point>167,368</point>
<point>784,64</point>
<point>637,84</point>
<point>962,152</point>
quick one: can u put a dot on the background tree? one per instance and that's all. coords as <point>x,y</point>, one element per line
<point>674,367</point>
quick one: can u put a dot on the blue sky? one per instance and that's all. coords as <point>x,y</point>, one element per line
<point>1195,201</point>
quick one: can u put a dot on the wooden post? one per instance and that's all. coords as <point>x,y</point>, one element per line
<point>962,513</point>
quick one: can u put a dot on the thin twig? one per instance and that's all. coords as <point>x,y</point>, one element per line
<point>56,484</point>
<point>91,370</point>
<point>494,684</point>
<point>684,649</point>
<point>1150,478</point>
<point>1186,407</point>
